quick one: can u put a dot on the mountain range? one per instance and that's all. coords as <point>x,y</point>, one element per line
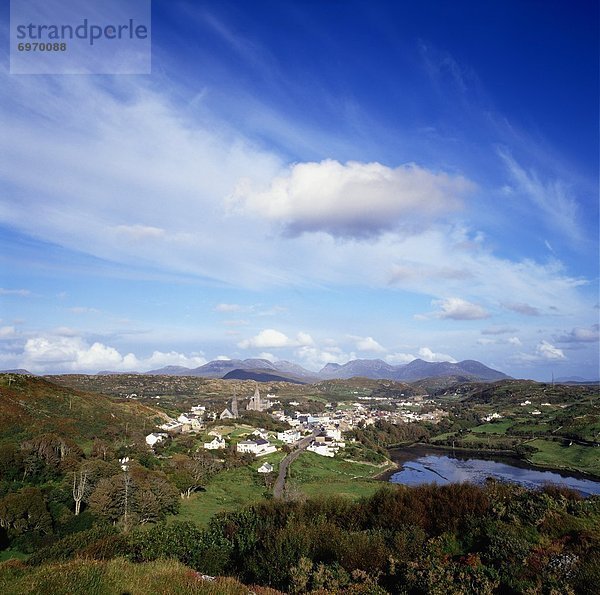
<point>377,369</point>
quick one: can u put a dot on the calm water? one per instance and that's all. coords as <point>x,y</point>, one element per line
<point>442,469</point>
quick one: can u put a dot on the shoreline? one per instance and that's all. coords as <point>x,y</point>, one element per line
<point>402,454</point>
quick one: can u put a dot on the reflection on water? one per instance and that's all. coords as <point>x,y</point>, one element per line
<point>442,469</point>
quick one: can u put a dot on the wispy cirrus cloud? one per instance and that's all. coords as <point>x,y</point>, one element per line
<point>552,198</point>
<point>521,308</point>
<point>17,292</point>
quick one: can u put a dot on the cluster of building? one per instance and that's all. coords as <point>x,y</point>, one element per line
<point>327,427</point>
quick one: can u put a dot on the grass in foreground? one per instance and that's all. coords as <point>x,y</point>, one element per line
<point>89,577</point>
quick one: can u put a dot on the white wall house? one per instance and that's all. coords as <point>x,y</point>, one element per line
<point>154,438</point>
<point>289,436</point>
<point>217,443</point>
<point>265,468</point>
<point>257,447</point>
<point>321,449</point>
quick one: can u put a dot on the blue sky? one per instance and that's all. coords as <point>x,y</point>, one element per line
<point>312,181</point>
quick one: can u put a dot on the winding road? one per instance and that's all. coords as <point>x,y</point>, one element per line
<point>287,461</point>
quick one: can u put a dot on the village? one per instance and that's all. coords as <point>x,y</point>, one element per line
<point>327,428</point>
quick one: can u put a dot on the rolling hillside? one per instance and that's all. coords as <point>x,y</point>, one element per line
<point>30,405</point>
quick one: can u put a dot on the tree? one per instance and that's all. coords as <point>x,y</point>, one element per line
<point>81,487</point>
<point>25,511</point>
<point>191,473</point>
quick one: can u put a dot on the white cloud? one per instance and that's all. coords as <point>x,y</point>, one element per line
<point>429,356</point>
<point>515,341</point>
<point>7,332</point>
<point>304,339</point>
<point>267,355</point>
<point>581,335</point>
<point>69,353</point>
<point>354,199</point>
<point>552,198</point>
<point>60,353</point>
<point>84,310</point>
<point>548,351</point>
<point>368,344</point>
<point>458,309</point>
<point>521,308</point>
<point>139,232</point>
<point>315,357</point>
<point>173,358</point>
<point>269,338</point>
<point>228,308</point>
<point>400,358</point>
<point>19,292</point>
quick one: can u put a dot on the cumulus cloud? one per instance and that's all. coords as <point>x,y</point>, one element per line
<point>429,356</point>
<point>59,353</point>
<point>581,335</point>
<point>521,308</point>
<point>367,344</point>
<point>400,358</point>
<point>315,357</point>
<point>269,338</point>
<point>7,332</point>
<point>549,352</point>
<point>458,309</point>
<point>355,199</point>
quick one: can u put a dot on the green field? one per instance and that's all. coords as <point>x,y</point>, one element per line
<point>229,490</point>
<point>498,427</point>
<point>559,456</point>
<point>314,475</point>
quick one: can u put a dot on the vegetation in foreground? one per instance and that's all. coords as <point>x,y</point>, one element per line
<point>457,539</point>
<point>94,577</point>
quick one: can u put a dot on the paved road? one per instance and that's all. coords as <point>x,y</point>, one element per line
<point>287,461</point>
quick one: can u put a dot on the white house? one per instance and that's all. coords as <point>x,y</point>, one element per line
<point>172,426</point>
<point>257,447</point>
<point>217,443</point>
<point>289,436</point>
<point>260,433</point>
<point>154,438</point>
<point>321,449</point>
<point>491,416</point>
<point>265,468</point>
<point>333,432</point>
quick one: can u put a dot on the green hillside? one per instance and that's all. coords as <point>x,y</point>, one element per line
<point>31,405</point>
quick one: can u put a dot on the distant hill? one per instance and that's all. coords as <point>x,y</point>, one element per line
<point>418,369</point>
<point>17,371</point>
<point>259,376</point>
<point>364,368</point>
<point>575,380</point>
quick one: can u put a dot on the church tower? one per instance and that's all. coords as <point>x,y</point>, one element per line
<point>234,405</point>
